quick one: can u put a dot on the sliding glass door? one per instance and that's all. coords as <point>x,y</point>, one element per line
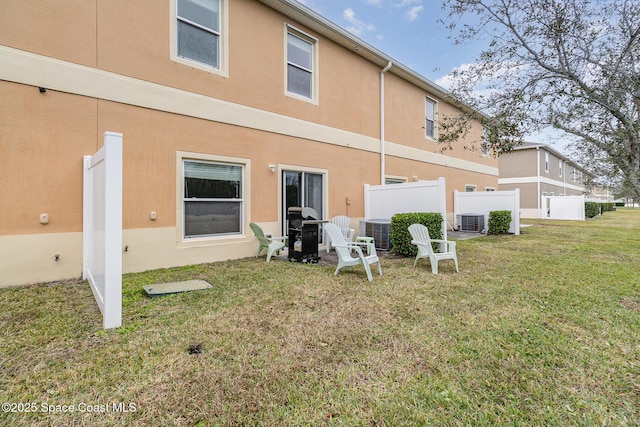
<point>302,189</point>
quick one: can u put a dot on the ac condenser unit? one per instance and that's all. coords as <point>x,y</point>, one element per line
<point>471,222</point>
<point>380,230</point>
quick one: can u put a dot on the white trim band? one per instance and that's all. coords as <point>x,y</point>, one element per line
<point>37,70</point>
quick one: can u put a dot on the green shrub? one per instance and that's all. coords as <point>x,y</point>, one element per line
<point>400,237</point>
<point>607,207</point>
<point>499,222</point>
<point>591,209</point>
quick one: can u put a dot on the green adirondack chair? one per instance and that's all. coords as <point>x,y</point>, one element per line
<point>266,241</point>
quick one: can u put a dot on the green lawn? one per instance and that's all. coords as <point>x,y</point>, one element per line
<point>541,329</point>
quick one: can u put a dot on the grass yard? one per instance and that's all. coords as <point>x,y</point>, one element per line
<point>541,329</point>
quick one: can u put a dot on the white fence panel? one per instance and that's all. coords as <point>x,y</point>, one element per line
<point>483,202</point>
<point>563,207</point>
<point>102,228</point>
<point>384,201</point>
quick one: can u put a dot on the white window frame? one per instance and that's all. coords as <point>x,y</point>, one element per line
<point>291,30</point>
<point>223,47</point>
<point>181,157</point>
<point>470,188</point>
<point>560,166</point>
<point>429,100</point>
<point>546,162</point>
<point>485,144</point>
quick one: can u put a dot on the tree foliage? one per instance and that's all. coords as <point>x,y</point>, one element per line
<point>573,65</point>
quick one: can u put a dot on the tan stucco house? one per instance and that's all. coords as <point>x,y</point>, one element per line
<point>237,108</point>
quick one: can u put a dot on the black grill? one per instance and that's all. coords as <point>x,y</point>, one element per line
<point>303,234</point>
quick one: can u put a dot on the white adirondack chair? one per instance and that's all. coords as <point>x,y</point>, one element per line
<point>420,235</point>
<point>344,248</point>
<point>343,223</point>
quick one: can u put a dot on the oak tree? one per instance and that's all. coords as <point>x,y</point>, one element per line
<point>573,65</point>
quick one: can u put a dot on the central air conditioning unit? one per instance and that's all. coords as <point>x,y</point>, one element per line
<point>380,230</point>
<point>471,222</point>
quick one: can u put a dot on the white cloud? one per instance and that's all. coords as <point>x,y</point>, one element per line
<point>406,3</point>
<point>445,81</point>
<point>482,88</point>
<point>374,2</point>
<point>357,27</point>
<point>413,9</point>
<point>412,14</point>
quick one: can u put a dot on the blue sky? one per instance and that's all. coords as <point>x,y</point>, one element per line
<point>406,30</point>
<point>409,32</point>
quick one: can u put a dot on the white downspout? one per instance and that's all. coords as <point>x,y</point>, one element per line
<point>538,180</point>
<point>382,154</point>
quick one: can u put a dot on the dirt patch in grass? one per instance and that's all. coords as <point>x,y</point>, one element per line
<point>631,304</point>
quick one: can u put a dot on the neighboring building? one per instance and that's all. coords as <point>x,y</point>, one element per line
<point>230,109</point>
<point>539,170</point>
<point>601,194</point>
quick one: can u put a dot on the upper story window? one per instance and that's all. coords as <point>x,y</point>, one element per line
<point>430,118</point>
<point>546,162</point>
<point>485,143</point>
<point>198,33</point>
<point>469,188</point>
<point>300,63</point>
<point>560,166</point>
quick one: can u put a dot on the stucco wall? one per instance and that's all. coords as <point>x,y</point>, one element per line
<point>106,70</point>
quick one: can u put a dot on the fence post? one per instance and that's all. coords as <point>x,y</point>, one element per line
<point>516,212</point>
<point>366,201</point>
<point>113,230</point>
<point>442,204</point>
<point>456,208</point>
<point>87,194</point>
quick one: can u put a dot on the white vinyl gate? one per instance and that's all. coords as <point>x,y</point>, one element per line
<point>102,228</point>
<point>563,207</point>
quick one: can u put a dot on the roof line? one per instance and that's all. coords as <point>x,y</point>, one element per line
<point>531,145</point>
<point>295,10</point>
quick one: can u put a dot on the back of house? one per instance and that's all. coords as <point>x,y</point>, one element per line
<point>231,112</point>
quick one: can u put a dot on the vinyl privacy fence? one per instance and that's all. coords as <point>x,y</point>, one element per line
<point>483,202</point>
<point>102,228</point>
<point>384,201</point>
<point>563,207</point>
